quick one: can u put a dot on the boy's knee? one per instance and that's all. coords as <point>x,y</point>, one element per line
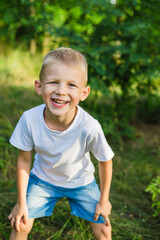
<point>102,232</point>
<point>106,232</point>
<point>26,228</point>
<point>24,231</point>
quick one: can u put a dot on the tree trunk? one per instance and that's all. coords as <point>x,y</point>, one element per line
<point>33,40</point>
<point>33,46</point>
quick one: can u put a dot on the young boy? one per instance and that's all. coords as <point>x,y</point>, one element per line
<point>62,134</point>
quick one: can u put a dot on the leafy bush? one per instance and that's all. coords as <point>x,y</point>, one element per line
<point>154,189</point>
<point>148,109</point>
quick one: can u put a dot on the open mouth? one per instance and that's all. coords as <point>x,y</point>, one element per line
<point>59,103</point>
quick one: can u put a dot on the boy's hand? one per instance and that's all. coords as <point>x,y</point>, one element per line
<point>104,209</point>
<point>17,215</point>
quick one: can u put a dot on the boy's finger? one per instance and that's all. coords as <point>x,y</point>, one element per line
<point>25,219</point>
<point>96,216</point>
<point>107,221</point>
<point>10,216</point>
<point>17,223</point>
<point>12,222</point>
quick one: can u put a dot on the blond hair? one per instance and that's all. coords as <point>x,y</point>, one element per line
<point>67,56</point>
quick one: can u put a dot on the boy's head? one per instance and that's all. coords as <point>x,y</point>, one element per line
<point>68,57</point>
<point>63,79</point>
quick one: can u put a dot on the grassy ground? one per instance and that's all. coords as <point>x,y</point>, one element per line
<point>135,164</point>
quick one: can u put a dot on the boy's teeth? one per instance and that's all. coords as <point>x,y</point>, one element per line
<point>61,102</point>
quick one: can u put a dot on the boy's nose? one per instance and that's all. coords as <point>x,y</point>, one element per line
<point>61,90</point>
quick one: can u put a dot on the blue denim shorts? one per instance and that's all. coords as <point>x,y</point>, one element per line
<point>42,197</point>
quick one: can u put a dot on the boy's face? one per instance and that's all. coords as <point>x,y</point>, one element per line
<point>62,88</point>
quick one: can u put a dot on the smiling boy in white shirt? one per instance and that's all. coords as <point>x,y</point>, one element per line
<point>63,135</point>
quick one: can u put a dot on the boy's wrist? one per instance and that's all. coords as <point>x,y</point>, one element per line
<point>104,199</point>
<point>21,201</point>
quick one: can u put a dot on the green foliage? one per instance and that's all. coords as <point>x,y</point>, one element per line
<point>24,20</point>
<point>114,37</point>
<point>148,109</point>
<point>154,189</point>
<point>117,45</point>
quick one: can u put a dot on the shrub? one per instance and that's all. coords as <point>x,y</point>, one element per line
<point>148,109</point>
<point>154,189</point>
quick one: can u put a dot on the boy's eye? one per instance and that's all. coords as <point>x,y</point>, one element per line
<point>72,85</point>
<point>54,82</point>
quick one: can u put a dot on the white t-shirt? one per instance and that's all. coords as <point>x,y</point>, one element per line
<point>62,158</point>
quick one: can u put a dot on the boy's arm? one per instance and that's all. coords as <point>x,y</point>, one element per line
<point>104,207</point>
<point>23,169</point>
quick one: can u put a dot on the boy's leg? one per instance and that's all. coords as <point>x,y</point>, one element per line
<point>101,231</point>
<point>83,203</point>
<point>24,230</point>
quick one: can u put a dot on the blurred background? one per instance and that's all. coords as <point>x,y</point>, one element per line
<point>121,41</point>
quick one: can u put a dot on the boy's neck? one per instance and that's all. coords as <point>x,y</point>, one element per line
<point>57,123</point>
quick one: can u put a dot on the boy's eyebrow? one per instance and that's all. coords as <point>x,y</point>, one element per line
<point>50,77</point>
<point>55,78</point>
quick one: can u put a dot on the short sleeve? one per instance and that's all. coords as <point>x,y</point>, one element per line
<point>21,137</point>
<point>99,146</point>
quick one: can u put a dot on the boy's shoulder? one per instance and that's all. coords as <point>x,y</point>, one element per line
<point>35,112</point>
<point>36,109</point>
<point>88,120</point>
<point>85,114</point>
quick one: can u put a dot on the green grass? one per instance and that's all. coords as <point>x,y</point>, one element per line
<point>18,66</point>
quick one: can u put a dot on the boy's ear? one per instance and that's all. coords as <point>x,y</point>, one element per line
<point>85,93</point>
<point>38,86</point>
